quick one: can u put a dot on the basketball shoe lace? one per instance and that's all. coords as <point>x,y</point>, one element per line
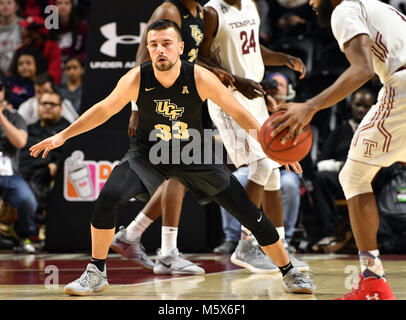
<point>89,278</point>
<point>301,277</point>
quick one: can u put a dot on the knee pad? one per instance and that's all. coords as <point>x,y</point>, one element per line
<point>260,171</point>
<point>356,178</point>
<point>105,211</point>
<point>274,180</point>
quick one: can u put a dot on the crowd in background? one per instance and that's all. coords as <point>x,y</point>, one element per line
<point>41,81</point>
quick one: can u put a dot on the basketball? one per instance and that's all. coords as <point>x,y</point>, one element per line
<point>284,153</point>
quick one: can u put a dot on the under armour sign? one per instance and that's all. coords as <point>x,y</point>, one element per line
<point>109,31</point>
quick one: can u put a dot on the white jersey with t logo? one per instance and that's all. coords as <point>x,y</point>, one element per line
<point>385,26</point>
<point>379,139</point>
<point>236,43</point>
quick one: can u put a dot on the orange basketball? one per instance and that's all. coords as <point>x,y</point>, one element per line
<point>284,153</point>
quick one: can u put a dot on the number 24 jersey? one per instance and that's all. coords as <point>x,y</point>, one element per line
<point>236,42</point>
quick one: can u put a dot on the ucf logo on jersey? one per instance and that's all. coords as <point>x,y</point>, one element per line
<point>196,34</point>
<point>168,109</point>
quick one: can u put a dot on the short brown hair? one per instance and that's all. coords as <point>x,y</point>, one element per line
<point>164,24</point>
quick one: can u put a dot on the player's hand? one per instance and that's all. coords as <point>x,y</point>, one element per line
<point>295,166</point>
<point>296,64</point>
<point>47,145</point>
<point>132,124</point>
<point>226,78</point>
<point>249,88</point>
<point>271,104</point>
<point>296,117</point>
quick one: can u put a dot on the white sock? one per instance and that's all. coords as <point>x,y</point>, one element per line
<point>136,228</point>
<point>169,237</point>
<point>281,232</point>
<point>371,264</point>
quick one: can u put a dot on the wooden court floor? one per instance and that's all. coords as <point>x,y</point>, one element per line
<point>43,276</point>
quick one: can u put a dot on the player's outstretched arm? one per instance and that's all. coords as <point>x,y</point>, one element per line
<point>210,87</point>
<point>274,58</point>
<point>298,115</point>
<point>125,90</point>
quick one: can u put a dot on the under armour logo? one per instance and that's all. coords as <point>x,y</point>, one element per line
<point>374,297</point>
<point>109,31</point>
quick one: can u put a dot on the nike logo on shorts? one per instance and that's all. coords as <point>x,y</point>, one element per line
<point>260,217</point>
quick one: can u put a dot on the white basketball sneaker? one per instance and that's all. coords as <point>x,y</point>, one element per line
<point>92,280</point>
<point>175,263</point>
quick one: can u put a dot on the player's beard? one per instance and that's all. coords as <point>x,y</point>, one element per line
<point>166,67</point>
<point>325,10</point>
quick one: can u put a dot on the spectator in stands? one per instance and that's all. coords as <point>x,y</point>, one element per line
<point>26,64</point>
<point>43,83</point>
<point>83,8</point>
<point>390,192</point>
<point>265,26</point>
<point>290,18</point>
<point>39,172</point>
<point>13,188</point>
<point>36,35</point>
<point>35,8</point>
<point>10,32</point>
<point>279,91</point>
<point>72,32</point>
<point>334,151</point>
<point>72,89</point>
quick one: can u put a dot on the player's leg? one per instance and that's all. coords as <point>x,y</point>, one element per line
<point>231,226</point>
<point>122,185</point>
<point>356,180</point>
<point>169,260</point>
<point>235,200</point>
<point>273,207</point>
<point>248,253</point>
<point>127,241</point>
<point>290,192</point>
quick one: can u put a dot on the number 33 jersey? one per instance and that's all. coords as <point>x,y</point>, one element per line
<point>169,115</point>
<point>236,43</point>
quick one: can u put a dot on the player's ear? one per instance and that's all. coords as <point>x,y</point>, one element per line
<point>181,47</point>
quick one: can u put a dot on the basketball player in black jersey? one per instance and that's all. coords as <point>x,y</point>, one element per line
<point>188,15</point>
<point>169,93</point>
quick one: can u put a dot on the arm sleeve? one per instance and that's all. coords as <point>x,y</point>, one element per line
<point>347,21</point>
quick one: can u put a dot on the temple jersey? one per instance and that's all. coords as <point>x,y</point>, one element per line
<point>385,26</point>
<point>192,30</point>
<point>236,42</point>
<point>379,139</point>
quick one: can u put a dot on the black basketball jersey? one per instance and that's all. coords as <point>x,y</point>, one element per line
<point>171,115</point>
<point>192,30</point>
